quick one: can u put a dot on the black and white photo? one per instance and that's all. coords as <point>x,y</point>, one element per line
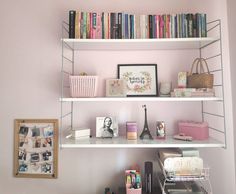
<point>106,127</point>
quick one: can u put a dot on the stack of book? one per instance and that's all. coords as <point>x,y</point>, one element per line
<point>193,92</point>
<point>93,25</point>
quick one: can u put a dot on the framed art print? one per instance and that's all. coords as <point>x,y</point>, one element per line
<point>141,79</point>
<point>115,88</point>
<point>36,148</point>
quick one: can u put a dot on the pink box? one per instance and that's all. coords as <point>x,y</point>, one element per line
<point>197,130</point>
<point>133,191</point>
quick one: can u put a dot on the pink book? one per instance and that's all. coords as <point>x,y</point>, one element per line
<point>94,18</point>
<point>99,26</point>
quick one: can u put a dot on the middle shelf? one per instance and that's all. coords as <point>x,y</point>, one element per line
<point>122,142</point>
<point>141,99</point>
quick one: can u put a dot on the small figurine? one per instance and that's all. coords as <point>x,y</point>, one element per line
<point>145,132</point>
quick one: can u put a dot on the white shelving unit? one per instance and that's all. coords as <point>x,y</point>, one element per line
<point>142,99</point>
<point>122,142</point>
<point>139,44</point>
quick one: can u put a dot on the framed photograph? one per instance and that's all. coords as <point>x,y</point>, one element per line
<point>36,148</point>
<point>106,127</point>
<point>141,79</point>
<point>161,130</point>
<point>115,88</point>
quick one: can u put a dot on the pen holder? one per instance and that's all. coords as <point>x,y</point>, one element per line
<point>133,191</point>
<point>133,179</point>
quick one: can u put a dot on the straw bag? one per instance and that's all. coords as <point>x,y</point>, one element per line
<point>200,79</point>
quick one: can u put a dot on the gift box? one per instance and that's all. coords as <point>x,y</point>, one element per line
<point>197,130</point>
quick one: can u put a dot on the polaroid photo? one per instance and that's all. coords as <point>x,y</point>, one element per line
<point>46,168</point>
<point>47,156</point>
<point>34,157</point>
<point>23,130</point>
<point>23,168</point>
<point>48,131</point>
<point>35,168</point>
<point>106,127</point>
<point>21,141</point>
<point>47,142</point>
<point>22,155</point>
<point>37,143</point>
<point>35,131</point>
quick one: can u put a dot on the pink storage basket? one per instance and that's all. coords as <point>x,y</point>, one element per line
<point>83,86</point>
<point>198,130</point>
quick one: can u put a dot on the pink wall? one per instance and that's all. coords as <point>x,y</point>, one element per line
<point>30,88</point>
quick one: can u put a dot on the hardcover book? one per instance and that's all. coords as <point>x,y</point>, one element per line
<point>72,15</point>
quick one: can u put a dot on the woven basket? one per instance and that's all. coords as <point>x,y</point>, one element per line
<point>83,86</point>
<point>200,79</point>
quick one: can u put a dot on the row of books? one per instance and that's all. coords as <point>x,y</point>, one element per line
<point>91,25</point>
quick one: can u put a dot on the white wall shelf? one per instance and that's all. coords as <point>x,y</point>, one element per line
<point>122,142</point>
<point>141,99</point>
<point>138,44</point>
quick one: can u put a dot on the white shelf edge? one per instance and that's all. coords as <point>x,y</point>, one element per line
<point>196,39</point>
<point>123,143</point>
<point>138,99</point>
<point>138,44</point>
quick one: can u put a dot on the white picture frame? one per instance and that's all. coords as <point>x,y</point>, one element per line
<point>106,127</point>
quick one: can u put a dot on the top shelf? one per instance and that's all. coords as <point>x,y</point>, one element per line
<point>138,44</point>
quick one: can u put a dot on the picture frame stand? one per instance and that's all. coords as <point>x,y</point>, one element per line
<point>146,131</point>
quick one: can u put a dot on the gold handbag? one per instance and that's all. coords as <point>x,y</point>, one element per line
<point>200,79</point>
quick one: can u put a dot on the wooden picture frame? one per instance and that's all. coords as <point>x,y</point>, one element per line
<point>141,79</point>
<point>36,148</point>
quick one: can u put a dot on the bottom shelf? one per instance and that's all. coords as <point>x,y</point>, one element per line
<point>122,142</point>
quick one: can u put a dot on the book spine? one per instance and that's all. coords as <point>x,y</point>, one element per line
<point>72,15</point>
<point>123,26</point>
<point>194,25</point>
<point>77,25</point>
<point>99,26</point>
<point>112,25</point>
<point>106,24</point>
<point>85,25</point>
<point>119,26</point>
<point>94,25</point>
<point>204,25</point>
<point>157,26</point>
<point>137,26</point>
<point>88,26</point>
<point>103,26</point>
<point>109,25</point>
<point>126,26</point>
<point>150,26</point>
<point>154,26</point>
